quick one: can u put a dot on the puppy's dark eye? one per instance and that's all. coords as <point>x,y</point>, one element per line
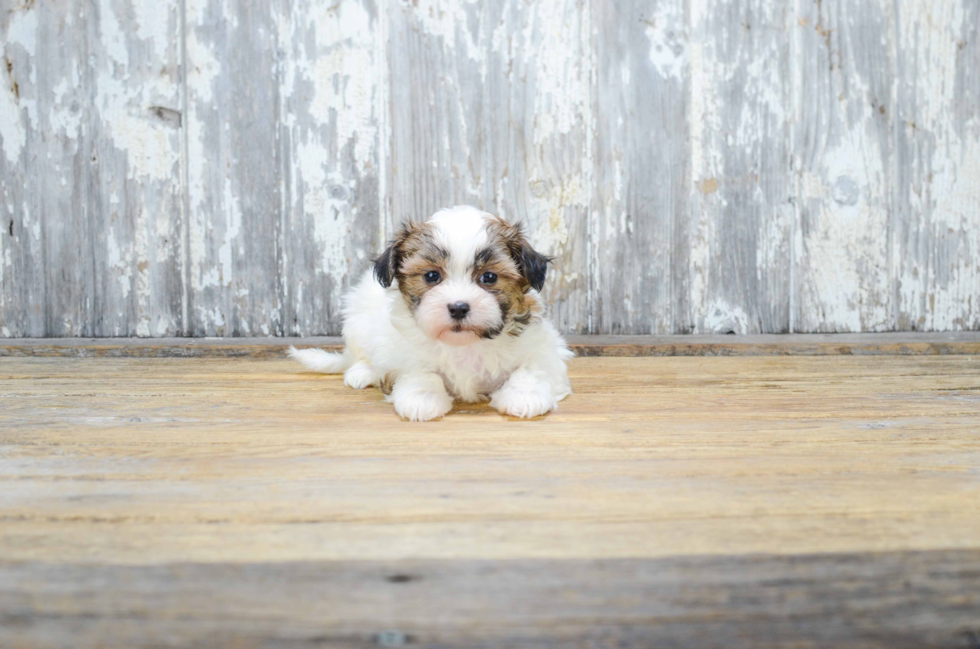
<point>488,278</point>
<point>432,277</point>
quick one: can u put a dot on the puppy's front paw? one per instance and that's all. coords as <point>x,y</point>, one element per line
<point>423,406</point>
<point>524,396</point>
<point>360,376</point>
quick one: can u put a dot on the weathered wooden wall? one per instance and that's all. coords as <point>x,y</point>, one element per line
<point>212,167</point>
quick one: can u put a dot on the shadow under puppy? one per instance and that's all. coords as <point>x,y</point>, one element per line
<point>452,312</point>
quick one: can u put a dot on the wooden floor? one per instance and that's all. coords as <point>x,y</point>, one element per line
<point>689,502</point>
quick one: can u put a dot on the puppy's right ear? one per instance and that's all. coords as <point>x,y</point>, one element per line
<point>386,265</point>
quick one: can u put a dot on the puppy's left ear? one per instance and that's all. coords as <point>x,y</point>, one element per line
<point>534,265</point>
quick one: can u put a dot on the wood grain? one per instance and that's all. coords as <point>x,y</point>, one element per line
<point>845,153</point>
<point>639,280</point>
<point>823,600</point>
<point>234,158</point>
<point>436,56</point>
<point>736,501</point>
<point>936,222</point>
<point>134,193</point>
<point>22,266</point>
<point>742,211</point>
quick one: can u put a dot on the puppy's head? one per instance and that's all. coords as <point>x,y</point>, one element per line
<point>466,275</point>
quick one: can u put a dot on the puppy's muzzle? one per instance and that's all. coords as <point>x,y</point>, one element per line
<point>458,310</point>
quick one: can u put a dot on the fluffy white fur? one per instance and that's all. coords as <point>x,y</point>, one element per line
<point>432,365</point>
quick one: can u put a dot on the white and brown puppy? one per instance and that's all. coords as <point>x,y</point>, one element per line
<point>452,312</point>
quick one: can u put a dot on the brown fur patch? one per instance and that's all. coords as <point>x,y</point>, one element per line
<point>418,254</point>
<point>504,256</point>
<point>387,383</point>
<point>530,263</point>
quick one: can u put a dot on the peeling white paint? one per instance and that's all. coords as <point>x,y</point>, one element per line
<point>330,79</point>
<point>203,68</point>
<point>13,135</point>
<point>706,161</point>
<point>323,209</point>
<point>212,316</point>
<point>929,37</point>
<point>122,105</point>
<point>847,192</point>
<point>233,226</point>
<point>22,31</point>
<point>550,213</point>
<point>722,318</point>
<point>119,264</point>
<point>667,31</point>
<point>848,262</point>
<point>21,36</point>
<point>154,24</point>
<point>203,72</point>
<point>343,77</point>
<point>942,291</point>
<point>561,93</point>
<point>448,20</point>
<point>142,254</point>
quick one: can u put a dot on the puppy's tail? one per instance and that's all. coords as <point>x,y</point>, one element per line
<point>321,361</point>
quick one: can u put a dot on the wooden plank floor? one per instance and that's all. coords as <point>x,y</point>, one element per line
<point>689,502</point>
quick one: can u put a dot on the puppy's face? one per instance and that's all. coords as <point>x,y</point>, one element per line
<point>466,275</point>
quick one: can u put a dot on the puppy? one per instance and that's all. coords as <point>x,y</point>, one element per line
<point>452,312</point>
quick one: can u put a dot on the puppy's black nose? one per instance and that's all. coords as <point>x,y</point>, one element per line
<point>459,310</point>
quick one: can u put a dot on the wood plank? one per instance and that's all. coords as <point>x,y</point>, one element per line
<point>786,501</point>
<point>330,77</point>
<point>234,162</point>
<point>937,167</point>
<point>641,151</point>
<point>912,599</point>
<point>22,267</point>
<point>844,151</point>
<point>888,344</point>
<point>133,53</point>
<point>742,211</point>
<point>60,171</point>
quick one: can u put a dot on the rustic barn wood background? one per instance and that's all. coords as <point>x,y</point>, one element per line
<point>215,167</point>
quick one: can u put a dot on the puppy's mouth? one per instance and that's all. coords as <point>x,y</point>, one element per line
<point>461,327</point>
<point>458,335</point>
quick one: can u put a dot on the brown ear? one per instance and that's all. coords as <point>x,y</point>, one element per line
<point>386,265</point>
<point>534,266</point>
<point>531,263</point>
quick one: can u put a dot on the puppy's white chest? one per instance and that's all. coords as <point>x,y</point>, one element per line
<point>468,376</point>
